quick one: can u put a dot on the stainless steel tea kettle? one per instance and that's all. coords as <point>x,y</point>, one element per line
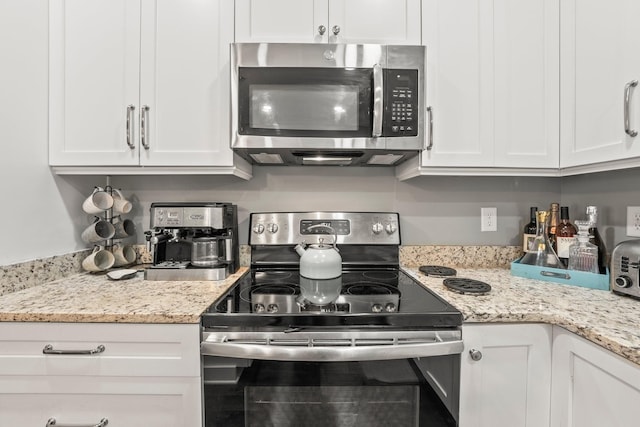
<point>321,261</point>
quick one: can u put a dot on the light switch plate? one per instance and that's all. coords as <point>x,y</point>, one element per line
<point>488,219</point>
<point>633,221</point>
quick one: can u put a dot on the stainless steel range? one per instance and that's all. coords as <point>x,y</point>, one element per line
<point>361,345</point>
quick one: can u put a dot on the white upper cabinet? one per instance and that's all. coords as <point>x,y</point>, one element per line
<point>600,54</point>
<point>492,85</point>
<point>94,74</point>
<point>332,21</point>
<point>140,83</point>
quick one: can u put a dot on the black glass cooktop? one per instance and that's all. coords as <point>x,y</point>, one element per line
<point>359,297</point>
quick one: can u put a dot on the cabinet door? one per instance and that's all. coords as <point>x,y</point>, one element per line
<point>592,387</point>
<point>184,91</point>
<point>599,56</point>
<point>297,21</point>
<point>85,401</point>
<point>93,77</point>
<point>509,386</point>
<point>381,21</point>
<point>526,76</point>
<point>458,36</point>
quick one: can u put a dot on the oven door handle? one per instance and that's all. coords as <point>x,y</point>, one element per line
<point>320,353</point>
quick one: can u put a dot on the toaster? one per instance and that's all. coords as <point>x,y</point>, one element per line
<point>625,260</point>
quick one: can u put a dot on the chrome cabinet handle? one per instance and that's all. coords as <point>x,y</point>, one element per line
<point>48,349</point>
<point>378,100</point>
<point>322,29</point>
<point>130,109</point>
<point>475,354</point>
<point>144,112</point>
<point>335,29</point>
<point>430,115</point>
<point>627,95</point>
<point>52,422</point>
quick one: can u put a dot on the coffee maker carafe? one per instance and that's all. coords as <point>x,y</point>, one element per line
<point>193,241</point>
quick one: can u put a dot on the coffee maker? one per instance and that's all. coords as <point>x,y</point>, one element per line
<point>193,241</point>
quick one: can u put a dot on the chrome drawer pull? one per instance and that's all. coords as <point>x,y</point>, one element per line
<point>48,349</point>
<point>52,422</point>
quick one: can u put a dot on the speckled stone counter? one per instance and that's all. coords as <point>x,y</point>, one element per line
<point>96,298</point>
<point>602,317</point>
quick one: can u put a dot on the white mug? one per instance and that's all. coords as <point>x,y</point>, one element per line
<point>98,231</point>
<point>99,201</point>
<point>120,204</point>
<point>99,260</point>
<point>124,255</point>
<point>123,228</point>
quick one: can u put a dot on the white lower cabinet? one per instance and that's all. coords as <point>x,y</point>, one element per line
<point>138,374</point>
<point>505,375</point>
<point>592,387</point>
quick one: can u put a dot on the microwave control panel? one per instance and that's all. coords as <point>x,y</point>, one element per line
<point>401,103</point>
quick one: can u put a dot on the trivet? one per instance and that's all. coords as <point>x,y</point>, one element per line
<point>437,271</point>
<point>467,286</point>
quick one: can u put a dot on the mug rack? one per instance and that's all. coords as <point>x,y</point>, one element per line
<point>108,215</point>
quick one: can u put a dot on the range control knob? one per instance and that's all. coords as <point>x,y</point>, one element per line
<point>272,228</point>
<point>377,228</point>
<point>390,228</point>
<point>258,228</point>
<point>624,281</point>
<point>259,308</point>
<point>390,307</point>
<point>376,308</point>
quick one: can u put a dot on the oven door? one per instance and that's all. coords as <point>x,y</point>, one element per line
<point>297,378</point>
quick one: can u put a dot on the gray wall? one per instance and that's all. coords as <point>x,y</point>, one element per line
<point>433,210</point>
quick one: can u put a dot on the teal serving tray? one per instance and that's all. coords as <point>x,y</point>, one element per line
<point>558,275</point>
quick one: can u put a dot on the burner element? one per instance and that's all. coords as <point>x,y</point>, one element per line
<point>437,271</point>
<point>467,286</point>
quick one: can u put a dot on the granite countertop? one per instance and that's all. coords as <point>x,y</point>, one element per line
<point>95,298</point>
<point>602,317</point>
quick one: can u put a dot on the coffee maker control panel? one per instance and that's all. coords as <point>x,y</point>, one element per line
<point>188,216</point>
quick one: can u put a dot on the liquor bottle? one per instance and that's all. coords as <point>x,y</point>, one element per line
<point>554,220</point>
<point>565,235</point>
<point>529,232</point>
<point>541,253</point>
<point>583,256</point>
<point>596,239</point>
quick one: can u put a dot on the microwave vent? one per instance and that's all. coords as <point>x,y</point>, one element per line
<point>385,159</point>
<point>267,158</point>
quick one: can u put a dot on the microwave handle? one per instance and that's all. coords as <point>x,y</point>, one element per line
<point>378,97</point>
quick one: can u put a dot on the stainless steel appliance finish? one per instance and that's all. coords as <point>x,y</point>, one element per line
<point>279,347</point>
<point>193,241</point>
<point>625,264</point>
<point>327,104</point>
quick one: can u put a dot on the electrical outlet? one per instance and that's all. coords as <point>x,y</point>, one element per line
<point>633,221</point>
<point>488,219</point>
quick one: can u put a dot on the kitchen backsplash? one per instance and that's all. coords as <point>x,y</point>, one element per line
<point>24,275</point>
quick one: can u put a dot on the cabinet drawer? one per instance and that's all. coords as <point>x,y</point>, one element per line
<point>84,401</point>
<point>128,349</point>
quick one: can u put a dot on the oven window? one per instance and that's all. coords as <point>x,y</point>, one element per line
<point>305,102</point>
<point>335,394</point>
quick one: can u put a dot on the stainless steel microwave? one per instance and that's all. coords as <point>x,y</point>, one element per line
<point>327,104</point>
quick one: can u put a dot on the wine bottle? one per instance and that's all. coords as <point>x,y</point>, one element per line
<point>554,220</point>
<point>596,239</point>
<point>565,235</point>
<point>529,232</point>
